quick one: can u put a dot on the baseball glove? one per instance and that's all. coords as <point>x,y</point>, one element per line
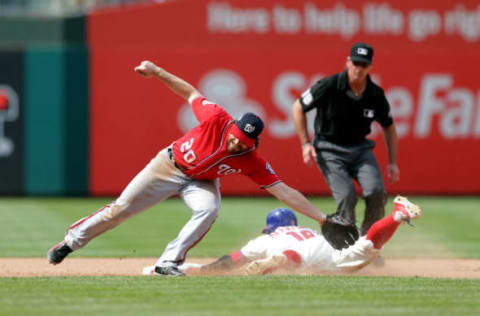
<point>338,232</point>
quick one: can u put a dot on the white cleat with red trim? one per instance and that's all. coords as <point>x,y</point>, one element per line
<point>404,210</point>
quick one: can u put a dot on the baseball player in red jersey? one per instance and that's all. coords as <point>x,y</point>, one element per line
<point>191,167</point>
<point>286,245</point>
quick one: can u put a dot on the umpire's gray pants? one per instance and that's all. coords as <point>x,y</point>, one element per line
<point>341,165</point>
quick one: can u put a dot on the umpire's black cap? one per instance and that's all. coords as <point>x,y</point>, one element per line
<point>361,52</point>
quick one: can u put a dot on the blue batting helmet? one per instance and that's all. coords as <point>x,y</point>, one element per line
<point>279,217</point>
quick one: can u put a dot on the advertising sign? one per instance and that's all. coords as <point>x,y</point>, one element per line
<point>260,56</point>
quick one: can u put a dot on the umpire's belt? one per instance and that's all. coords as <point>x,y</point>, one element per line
<point>172,159</point>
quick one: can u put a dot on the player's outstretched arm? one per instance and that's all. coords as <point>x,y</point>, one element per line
<point>179,86</point>
<point>297,201</point>
<point>227,262</point>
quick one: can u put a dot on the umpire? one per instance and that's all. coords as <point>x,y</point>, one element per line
<point>346,105</point>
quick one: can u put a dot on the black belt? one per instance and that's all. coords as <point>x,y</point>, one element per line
<point>172,159</point>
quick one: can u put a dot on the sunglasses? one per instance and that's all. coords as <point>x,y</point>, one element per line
<point>360,64</point>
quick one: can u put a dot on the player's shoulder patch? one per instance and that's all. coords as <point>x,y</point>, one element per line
<point>206,102</point>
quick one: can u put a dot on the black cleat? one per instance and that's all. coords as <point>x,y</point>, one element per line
<point>170,270</point>
<point>58,252</point>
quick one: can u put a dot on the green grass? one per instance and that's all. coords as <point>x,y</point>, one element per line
<point>30,226</point>
<point>268,295</point>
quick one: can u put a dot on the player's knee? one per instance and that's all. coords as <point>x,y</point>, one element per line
<point>122,203</point>
<point>210,212</point>
<point>114,212</point>
<point>377,189</point>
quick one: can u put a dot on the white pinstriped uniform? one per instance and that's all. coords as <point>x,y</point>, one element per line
<point>315,252</point>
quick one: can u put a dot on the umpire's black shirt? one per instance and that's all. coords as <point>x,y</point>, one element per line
<point>341,117</point>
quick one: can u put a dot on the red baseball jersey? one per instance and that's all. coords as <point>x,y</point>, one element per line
<point>202,152</point>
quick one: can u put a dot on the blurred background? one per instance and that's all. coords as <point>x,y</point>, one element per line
<point>75,119</point>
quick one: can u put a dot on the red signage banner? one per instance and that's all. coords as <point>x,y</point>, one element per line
<point>260,56</point>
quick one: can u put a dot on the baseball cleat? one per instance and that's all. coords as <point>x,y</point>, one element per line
<point>405,210</point>
<point>169,270</point>
<point>264,266</point>
<point>57,253</point>
<point>150,270</point>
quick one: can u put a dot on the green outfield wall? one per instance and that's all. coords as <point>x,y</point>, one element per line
<point>49,68</point>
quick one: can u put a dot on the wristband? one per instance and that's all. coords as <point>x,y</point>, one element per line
<point>306,143</point>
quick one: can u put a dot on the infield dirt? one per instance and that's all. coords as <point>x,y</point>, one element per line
<point>34,267</point>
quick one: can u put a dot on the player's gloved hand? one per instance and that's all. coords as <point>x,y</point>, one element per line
<point>339,232</point>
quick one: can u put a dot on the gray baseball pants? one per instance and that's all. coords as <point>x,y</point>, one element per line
<point>341,165</point>
<point>159,180</point>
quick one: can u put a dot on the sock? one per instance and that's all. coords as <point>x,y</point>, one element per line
<point>382,231</point>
